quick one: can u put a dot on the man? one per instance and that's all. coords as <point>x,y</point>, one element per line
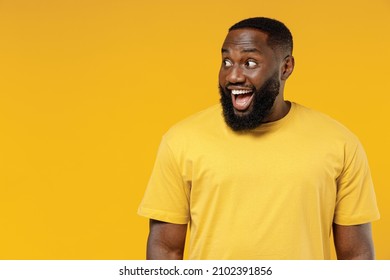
<point>265,178</point>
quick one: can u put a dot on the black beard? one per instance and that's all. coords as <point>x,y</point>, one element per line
<point>263,101</point>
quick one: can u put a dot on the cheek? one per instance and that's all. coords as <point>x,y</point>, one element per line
<point>221,77</point>
<point>259,77</point>
<point>256,78</point>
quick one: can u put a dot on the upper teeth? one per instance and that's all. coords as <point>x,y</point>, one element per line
<point>236,91</point>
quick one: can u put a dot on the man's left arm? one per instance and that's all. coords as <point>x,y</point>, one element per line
<point>353,242</point>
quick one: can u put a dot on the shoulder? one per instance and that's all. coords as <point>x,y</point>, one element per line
<point>322,124</point>
<point>202,122</point>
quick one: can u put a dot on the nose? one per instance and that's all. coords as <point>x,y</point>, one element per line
<point>235,75</point>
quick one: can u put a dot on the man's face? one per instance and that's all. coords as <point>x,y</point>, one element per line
<point>248,79</point>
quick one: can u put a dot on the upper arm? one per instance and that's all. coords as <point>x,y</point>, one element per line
<point>353,242</point>
<point>166,240</point>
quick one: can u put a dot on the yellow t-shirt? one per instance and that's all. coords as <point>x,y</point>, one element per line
<point>271,193</point>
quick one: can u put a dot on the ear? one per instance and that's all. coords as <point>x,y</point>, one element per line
<point>287,67</point>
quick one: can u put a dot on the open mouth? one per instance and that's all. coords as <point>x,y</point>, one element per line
<point>242,99</point>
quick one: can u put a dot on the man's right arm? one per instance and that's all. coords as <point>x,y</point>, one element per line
<point>166,241</point>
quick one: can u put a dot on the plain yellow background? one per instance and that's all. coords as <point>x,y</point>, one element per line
<point>88,87</point>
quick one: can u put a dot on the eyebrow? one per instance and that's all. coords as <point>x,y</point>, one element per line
<point>248,50</point>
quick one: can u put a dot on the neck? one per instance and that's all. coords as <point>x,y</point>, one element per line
<point>280,110</point>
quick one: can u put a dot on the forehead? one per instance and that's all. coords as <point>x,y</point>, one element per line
<point>246,38</point>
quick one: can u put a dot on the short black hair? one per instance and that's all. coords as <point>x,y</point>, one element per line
<point>279,36</point>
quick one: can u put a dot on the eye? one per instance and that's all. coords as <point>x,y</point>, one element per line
<point>227,63</point>
<point>251,64</point>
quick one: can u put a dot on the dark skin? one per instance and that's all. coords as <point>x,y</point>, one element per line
<point>248,60</point>
<point>353,242</point>
<point>165,241</point>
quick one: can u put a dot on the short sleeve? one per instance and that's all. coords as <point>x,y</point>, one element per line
<point>356,201</point>
<point>167,195</point>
